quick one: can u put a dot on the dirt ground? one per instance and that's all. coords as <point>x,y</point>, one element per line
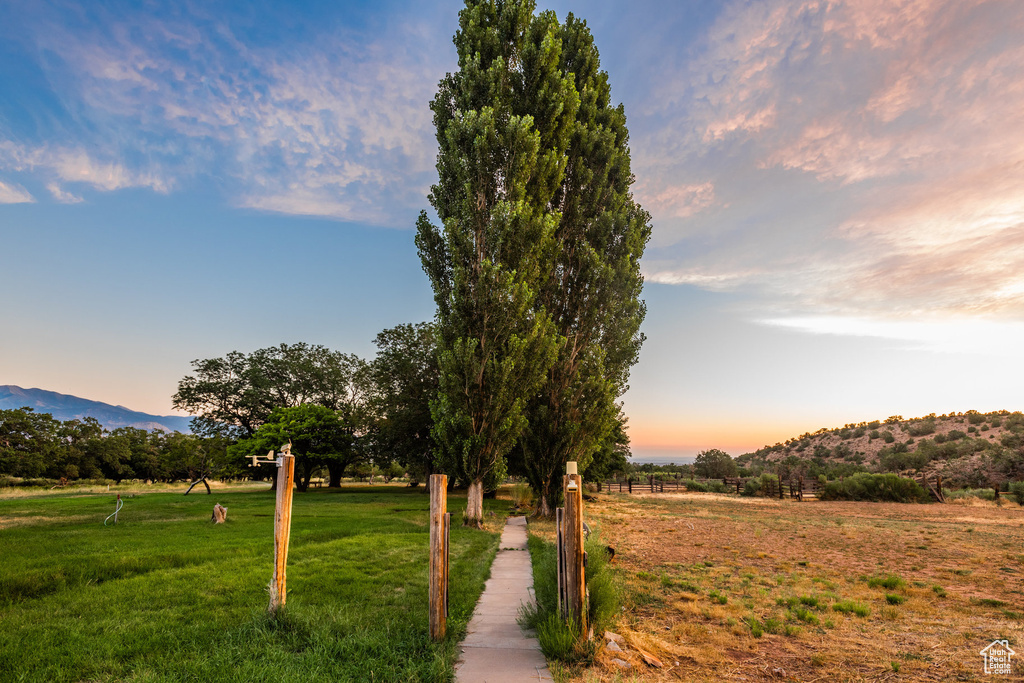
<point>749,589</point>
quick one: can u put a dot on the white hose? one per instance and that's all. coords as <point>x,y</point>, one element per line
<point>120,504</point>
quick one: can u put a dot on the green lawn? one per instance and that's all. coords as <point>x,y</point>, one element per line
<point>168,596</point>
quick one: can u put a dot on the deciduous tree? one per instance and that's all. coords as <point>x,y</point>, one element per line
<point>592,288</point>
<point>503,128</point>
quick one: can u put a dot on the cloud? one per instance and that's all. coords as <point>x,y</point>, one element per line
<point>338,126</point>
<point>72,165</point>
<point>865,158</point>
<point>14,194</point>
<point>963,336</point>
<point>61,195</point>
<point>677,201</point>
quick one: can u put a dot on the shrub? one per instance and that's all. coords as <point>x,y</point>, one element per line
<point>851,607</point>
<point>922,428</point>
<point>805,615</point>
<point>876,487</point>
<point>954,435</point>
<point>757,485</point>
<point>1017,491</point>
<point>522,495</point>
<point>888,437</point>
<point>892,581</point>
<point>894,599</point>
<point>557,639</point>
<point>984,494</point>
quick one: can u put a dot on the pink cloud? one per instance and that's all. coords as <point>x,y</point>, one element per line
<point>905,118</point>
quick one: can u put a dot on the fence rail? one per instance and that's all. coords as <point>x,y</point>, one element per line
<point>796,488</point>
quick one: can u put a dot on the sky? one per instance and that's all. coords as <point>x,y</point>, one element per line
<point>835,193</point>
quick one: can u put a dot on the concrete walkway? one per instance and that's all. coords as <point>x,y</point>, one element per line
<point>496,650</point>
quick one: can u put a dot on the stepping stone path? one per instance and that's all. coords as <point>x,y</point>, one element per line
<point>496,649</point>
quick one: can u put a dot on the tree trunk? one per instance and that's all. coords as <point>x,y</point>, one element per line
<point>475,504</point>
<point>335,470</point>
<point>545,509</point>
<point>302,481</point>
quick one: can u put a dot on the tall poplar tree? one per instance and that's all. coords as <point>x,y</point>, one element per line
<point>592,291</point>
<point>504,122</point>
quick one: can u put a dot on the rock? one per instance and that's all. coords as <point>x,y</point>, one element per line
<point>608,635</point>
<point>650,659</point>
<point>613,646</point>
<point>622,664</point>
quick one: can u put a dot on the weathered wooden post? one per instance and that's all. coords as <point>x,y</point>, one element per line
<point>576,589</point>
<point>440,526</point>
<point>282,527</point>
<point>285,463</point>
<point>560,558</point>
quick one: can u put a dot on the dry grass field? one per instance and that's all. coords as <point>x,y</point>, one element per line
<point>749,589</point>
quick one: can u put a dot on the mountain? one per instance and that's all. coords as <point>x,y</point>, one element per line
<point>64,407</point>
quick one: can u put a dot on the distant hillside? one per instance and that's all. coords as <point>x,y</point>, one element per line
<point>971,447</point>
<point>64,407</point>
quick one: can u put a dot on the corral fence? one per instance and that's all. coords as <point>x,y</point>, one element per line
<point>796,488</point>
<point>934,486</point>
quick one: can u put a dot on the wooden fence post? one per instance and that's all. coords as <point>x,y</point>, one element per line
<point>282,528</point>
<point>576,590</point>
<point>631,484</point>
<point>440,525</point>
<point>560,558</point>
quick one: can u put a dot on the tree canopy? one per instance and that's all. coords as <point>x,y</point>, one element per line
<point>235,394</point>
<point>714,464</point>
<point>317,434</point>
<point>405,380</point>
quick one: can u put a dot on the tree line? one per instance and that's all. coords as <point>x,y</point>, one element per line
<point>36,445</point>
<point>345,417</point>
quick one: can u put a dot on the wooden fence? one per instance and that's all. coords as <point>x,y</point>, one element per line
<point>796,488</point>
